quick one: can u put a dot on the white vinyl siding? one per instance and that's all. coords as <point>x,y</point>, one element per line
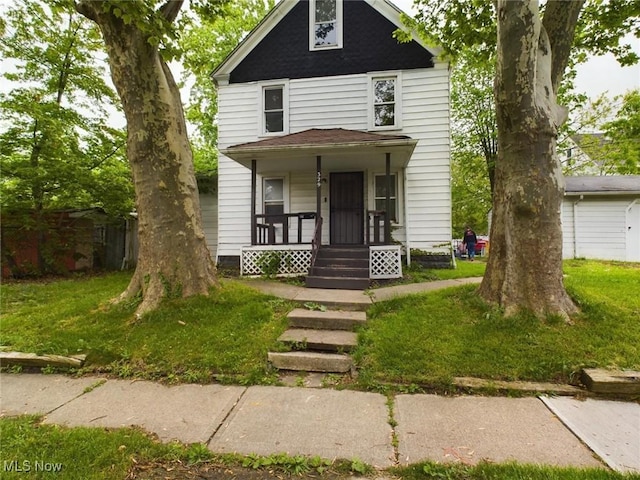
<point>595,227</point>
<point>238,123</point>
<point>209,210</point>
<point>425,116</point>
<point>328,102</point>
<point>343,102</point>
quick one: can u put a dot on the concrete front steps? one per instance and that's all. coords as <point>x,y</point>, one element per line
<point>341,267</point>
<point>321,341</point>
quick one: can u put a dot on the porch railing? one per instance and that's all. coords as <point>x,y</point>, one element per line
<point>378,235</point>
<point>266,227</point>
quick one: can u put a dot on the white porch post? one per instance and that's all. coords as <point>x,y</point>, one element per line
<point>387,216</point>
<point>254,227</point>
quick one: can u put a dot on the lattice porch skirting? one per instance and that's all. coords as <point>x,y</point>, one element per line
<point>289,260</point>
<point>385,261</point>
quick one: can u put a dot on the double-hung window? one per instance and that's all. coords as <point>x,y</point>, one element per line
<point>273,196</point>
<point>385,104</point>
<point>273,112</point>
<point>325,24</point>
<point>380,189</point>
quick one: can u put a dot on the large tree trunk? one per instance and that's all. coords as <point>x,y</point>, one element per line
<point>525,266</point>
<point>173,257</point>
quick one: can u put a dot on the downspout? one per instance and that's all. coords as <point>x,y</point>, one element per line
<point>405,192</point>
<point>575,226</point>
<point>627,211</point>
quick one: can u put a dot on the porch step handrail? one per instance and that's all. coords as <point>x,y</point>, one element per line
<point>316,242</point>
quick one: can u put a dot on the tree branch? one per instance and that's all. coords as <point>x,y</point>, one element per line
<point>170,9</point>
<point>560,20</point>
<point>88,9</point>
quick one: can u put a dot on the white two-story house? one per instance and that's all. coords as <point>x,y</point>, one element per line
<point>333,138</point>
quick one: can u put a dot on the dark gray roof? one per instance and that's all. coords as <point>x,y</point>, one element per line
<point>608,184</point>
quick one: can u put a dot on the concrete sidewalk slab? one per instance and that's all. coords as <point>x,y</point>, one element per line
<point>611,429</point>
<point>188,413</point>
<point>27,394</point>
<point>297,421</point>
<point>470,429</point>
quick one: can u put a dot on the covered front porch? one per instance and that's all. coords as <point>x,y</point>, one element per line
<point>320,188</point>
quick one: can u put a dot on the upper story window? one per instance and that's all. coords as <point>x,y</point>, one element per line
<point>385,103</point>
<point>325,24</point>
<point>274,115</point>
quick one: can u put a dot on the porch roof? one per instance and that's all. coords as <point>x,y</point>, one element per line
<point>336,146</point>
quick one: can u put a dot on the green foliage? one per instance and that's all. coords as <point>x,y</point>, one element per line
<point>614,149</point>
<point>623,134</point>
<point>205,44</point>
<point>458,25</point>
<point>56,149</point>
<point>293,465</point>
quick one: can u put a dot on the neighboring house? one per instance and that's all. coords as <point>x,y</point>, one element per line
<point>331,133</point>
<point>66,241</point>
<point>601,218</point>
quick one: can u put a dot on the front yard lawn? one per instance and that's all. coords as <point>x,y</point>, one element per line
<point>425,338</point>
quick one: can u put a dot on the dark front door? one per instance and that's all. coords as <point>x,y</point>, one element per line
<point>347,208</point>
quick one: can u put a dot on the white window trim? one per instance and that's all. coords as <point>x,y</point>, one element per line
<point>397,76</point>
<point>399,177</point>
<point>312,28</point>
<point>262,86</point>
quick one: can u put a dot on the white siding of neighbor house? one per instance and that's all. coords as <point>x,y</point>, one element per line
<point>209,209</point>
<point>238,123</point>
<point>343,102</point>
<point>595,227</point>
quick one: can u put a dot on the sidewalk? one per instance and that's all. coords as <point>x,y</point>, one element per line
<point>342,424</point>
<point>557,431</point>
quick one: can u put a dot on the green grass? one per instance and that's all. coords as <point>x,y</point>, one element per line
<point>421,339</point>
<point>77,453</point>
<point>433,337</point>
<point>35,450</point>
<point>227,333</point>
<point>508,471</point>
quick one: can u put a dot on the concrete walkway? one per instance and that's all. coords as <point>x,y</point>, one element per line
<point>355,298</point>
<point>329,423</point>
